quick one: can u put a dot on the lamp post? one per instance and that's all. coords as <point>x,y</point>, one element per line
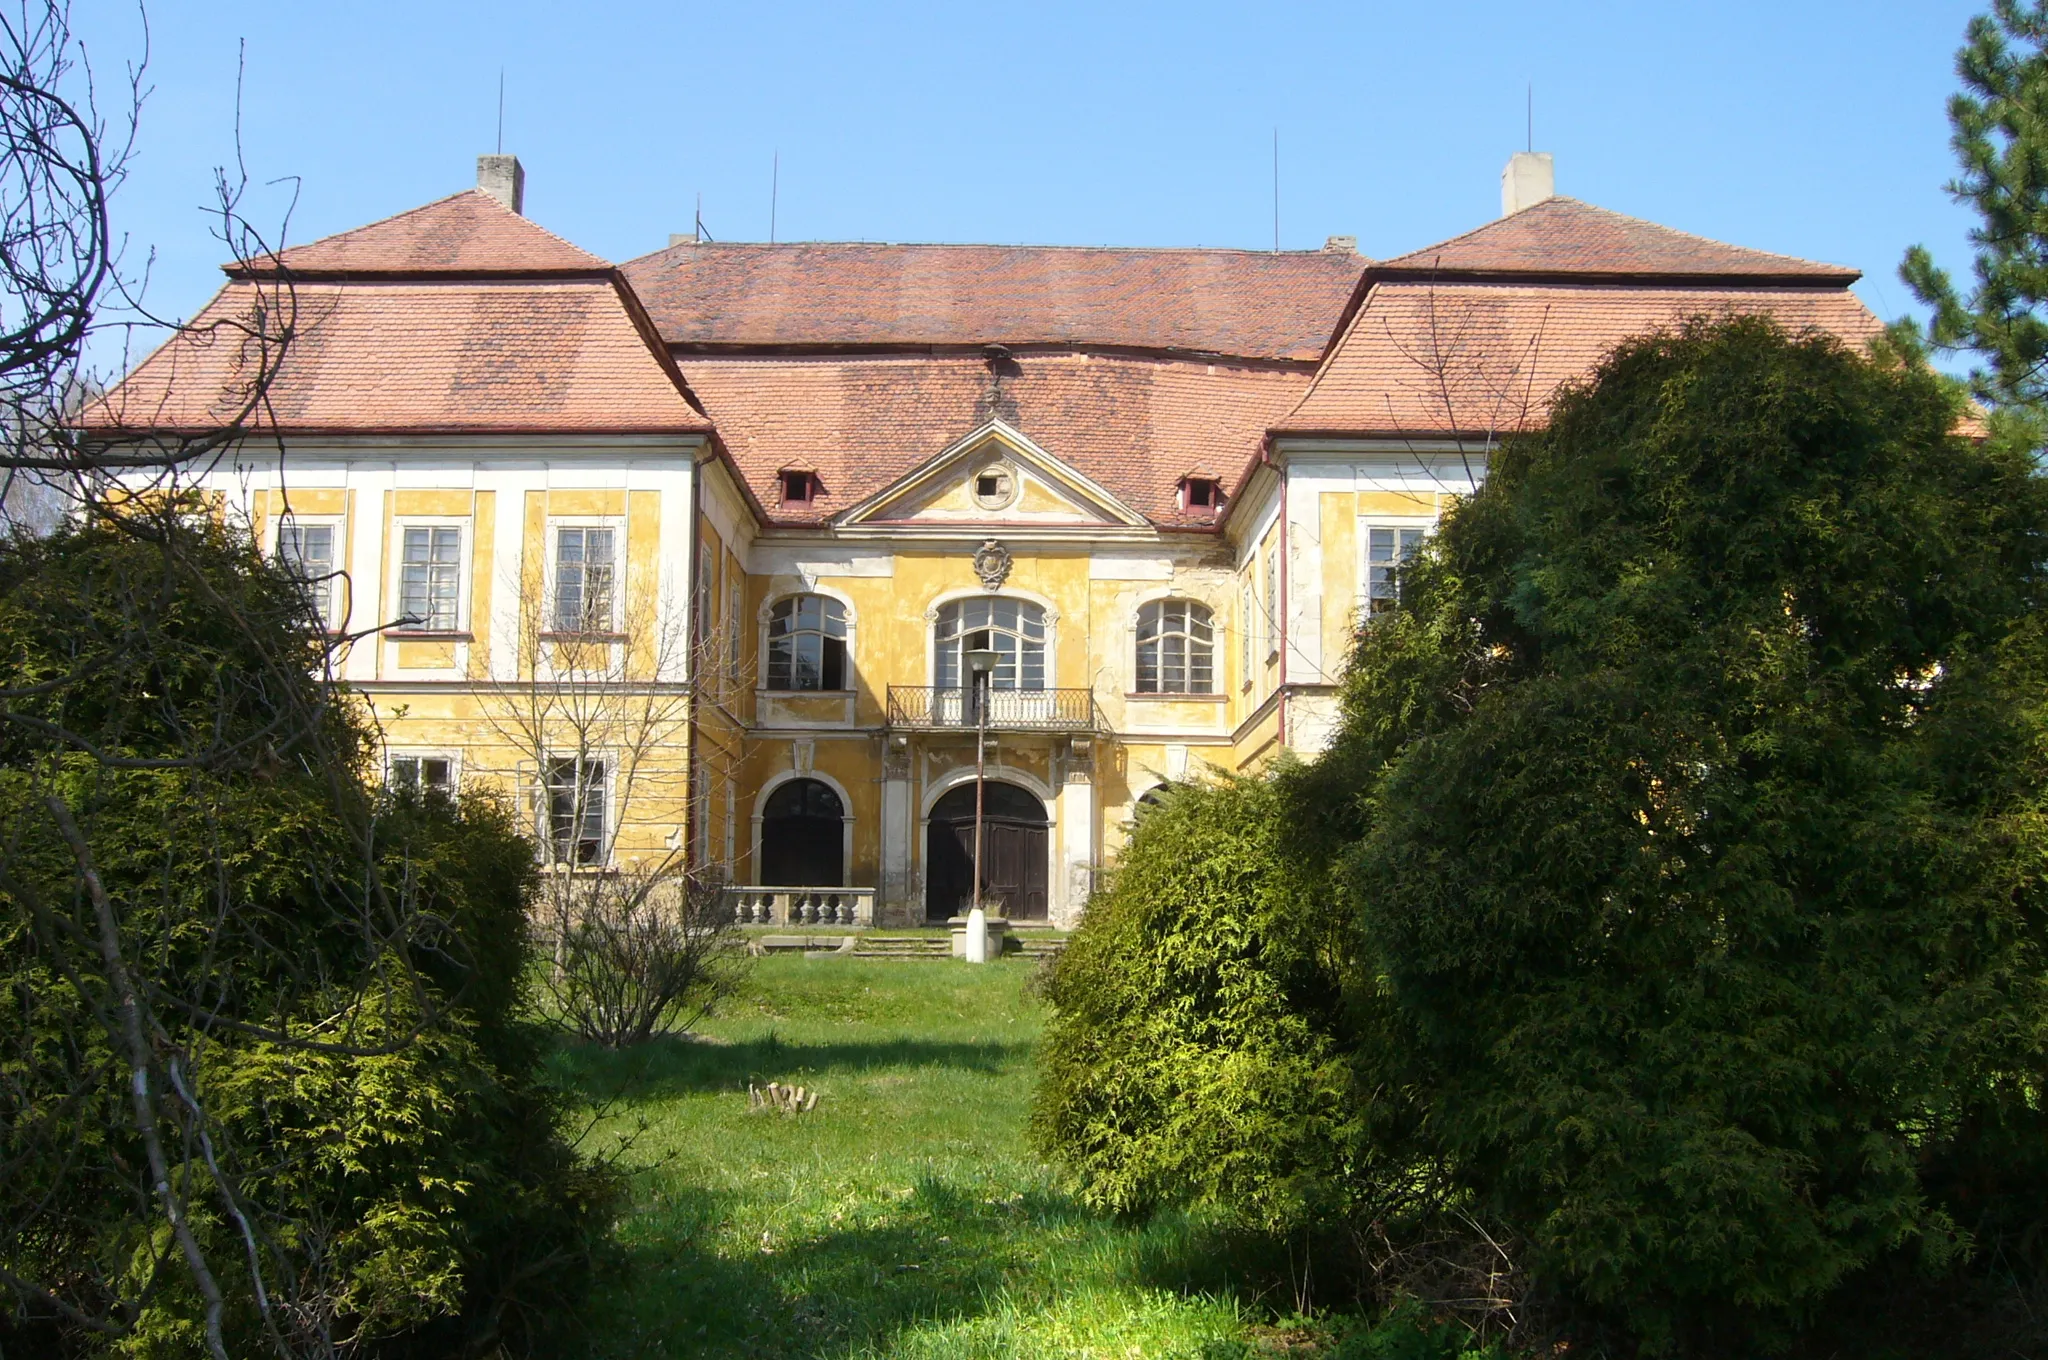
<point>981,666</point>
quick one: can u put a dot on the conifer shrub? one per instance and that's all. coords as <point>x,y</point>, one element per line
<point>349,1097</point>
<point>1670,902</point>
<point>1194,1052</point>
<point>1698,837</point>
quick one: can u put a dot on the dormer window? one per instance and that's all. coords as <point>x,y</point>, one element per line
<point>1201,495</point>
<point>799,486</point>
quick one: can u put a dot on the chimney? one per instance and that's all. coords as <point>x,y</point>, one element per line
<point>1340,245</point>
<point>1529,178</point>
<point>503,178</point>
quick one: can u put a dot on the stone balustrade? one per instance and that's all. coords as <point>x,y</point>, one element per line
<point>767,906</point>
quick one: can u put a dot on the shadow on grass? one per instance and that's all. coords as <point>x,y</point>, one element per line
<point>680,1066</point>
<point>938,1255</point>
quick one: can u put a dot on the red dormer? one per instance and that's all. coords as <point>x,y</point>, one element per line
<point>1201,493</point>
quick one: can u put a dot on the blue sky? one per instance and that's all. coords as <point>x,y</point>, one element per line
<point>1816,129</point>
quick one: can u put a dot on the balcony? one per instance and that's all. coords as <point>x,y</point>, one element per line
<point>928,708</point>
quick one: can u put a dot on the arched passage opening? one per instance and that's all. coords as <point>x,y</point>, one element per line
<point>1015,842</point>
<point>803,836</point>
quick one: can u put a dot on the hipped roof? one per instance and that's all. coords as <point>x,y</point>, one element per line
<point>814,296</point>
<point>457,317</point>
<point>1479,358</point>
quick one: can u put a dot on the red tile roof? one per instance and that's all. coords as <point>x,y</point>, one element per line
<point>1565,236</point>
<point>467,233</point>
<point>1133,424</point>
<point>1247,304</point>
<point>1480,358</point>
<point>510,355</point>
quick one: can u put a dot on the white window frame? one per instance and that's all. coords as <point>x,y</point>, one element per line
<point>1273,605</point>
<point>331,613</point>
<point>396,754</point>
<point>1246,596</point>
<point>847,685</point>
<point>735,606</point>
<point>1137,644</point>
<point>1422,524</point>
<point>546,810</point>
<point>464,547</point>
<point>556,523</point>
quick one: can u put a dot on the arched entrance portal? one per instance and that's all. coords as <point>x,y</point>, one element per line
<point>803,836</point>
<point>1014,845</point>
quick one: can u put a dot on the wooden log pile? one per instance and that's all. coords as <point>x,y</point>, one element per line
<point>786,1100</point>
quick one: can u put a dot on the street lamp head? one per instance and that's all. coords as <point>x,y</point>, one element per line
<point>981,660</point>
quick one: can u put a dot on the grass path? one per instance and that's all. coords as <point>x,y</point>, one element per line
<point>906,1215</point>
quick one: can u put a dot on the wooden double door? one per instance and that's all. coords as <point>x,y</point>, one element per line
<point>1016,841</point>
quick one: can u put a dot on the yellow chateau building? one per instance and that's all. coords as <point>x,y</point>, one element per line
<point>734,549</point>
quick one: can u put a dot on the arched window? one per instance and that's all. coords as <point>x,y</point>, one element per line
<point>807,643</point>
<point>1176,648</point>
<point>1013,629</point>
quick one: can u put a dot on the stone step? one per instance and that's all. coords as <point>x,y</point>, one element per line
<point>904,947</point>
<point>1040,948</point>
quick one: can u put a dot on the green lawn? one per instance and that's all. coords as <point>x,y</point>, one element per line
<point>906,1215</point>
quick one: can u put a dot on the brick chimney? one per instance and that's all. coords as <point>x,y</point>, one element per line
<point>504,179</point>
<point>1529,178</point>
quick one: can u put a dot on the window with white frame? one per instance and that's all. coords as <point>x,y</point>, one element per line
<point>735,600</point>
<point>433,774</point>
<point>1244,630</point>
<point>307,550</point>
<point>706,596</point>
<point>1176,648</point>
<point>577,797</point>
<point>430,577</point>
<point>807,643</point>
<point>1388,548</point>
<point>1013,629</point>
<point>1272,605</point>
<point>586,573</point>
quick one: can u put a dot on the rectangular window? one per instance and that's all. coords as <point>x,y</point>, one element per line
<point>704,624</point>
<point>1244,631</point>
<point>423,774</point>
<point>307,552</point>
<point>735,601</point>
<point>584,576</point>
<point>1387,549</point>
<point>1272,605</point>
<point>430,578</point>
<point>576,810</point>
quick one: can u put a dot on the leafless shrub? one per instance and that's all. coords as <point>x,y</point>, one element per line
<point>639,952</point>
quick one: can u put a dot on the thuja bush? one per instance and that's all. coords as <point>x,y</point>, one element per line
<point>265,1082</point>
<point>1670,902</point>
<point>1194,1051</point>
<point>1697,795</point>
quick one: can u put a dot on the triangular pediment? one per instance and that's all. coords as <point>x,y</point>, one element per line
<point>994,476</point>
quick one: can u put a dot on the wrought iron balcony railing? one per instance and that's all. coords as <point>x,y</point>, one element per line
<point>1009,710</point>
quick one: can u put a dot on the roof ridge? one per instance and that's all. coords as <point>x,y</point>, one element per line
<point>497,217</point>
<point>1308,252</point>
<point>558,239</point>
<point>1437,247</point>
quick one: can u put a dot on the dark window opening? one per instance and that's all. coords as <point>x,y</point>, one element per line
<point>798,486</point>
<point>423,774</point>
<point>988,486</point>
<point>1202,493</point>
<point>807,643</point>
<point>803,836</point>
<point>576,810</point>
